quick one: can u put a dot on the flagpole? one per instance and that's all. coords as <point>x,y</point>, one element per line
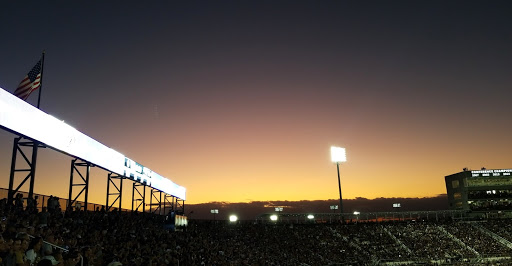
<point>35,144</point>
<point>41,82</point>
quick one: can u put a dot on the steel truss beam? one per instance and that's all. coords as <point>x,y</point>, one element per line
<point>140,201</point>
<point>168,203</point>
<point>158,200</point>
<point>119,189</point>
<point>85,185</point>
<point>179,206</point>
<point>17,147</point>
<point>175,205</point>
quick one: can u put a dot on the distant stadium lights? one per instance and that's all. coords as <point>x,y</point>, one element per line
<point>311,217</point>
<point>273,217</point>
<point>334,207</point>
<point>214,211</point>
<point>279,209</point>
<point>338,155</point>
<point>233,218</point>
<point>356,213</point>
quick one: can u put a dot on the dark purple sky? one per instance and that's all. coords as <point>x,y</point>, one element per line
<point>241,100</point>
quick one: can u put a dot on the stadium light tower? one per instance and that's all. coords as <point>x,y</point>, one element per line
<point>356,213</point>
<point>338,155</point>
<point>214,211</point>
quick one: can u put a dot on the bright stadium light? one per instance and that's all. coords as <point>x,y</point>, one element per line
<point>233,218</point>
<point>356,213</point>
<point>273,217</point>
<point>338,155</point>
<point>311,217</point>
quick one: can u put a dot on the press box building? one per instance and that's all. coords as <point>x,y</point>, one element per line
<point>480,190</point>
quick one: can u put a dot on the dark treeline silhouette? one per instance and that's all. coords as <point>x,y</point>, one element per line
<point>250,210</point>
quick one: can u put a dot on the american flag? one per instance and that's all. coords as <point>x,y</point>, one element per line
<point>30,83</point>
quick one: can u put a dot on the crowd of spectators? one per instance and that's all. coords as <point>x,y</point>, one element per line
<point>429,240</point>
<point>29,236</point>
<point>479,241</point>
<point>501,227</point>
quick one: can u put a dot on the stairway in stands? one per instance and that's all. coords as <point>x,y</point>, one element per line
<point>442,229</point>
<point>397,241</point>
<point>495,236</point>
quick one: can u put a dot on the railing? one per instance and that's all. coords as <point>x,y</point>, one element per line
<point>42,201</point>
<point>61,248</point>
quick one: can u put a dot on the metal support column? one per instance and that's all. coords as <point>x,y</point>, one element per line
<point>168,204</point>
<point>179,206</point>
<point>31,167</point>
<point>119,190</point>
<point>85,185</point>
<point>141,201</point>
<point>159,201</point>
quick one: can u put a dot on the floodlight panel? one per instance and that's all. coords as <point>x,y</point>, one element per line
<point>311,217</point>
<point>273,217</point>
<point>233,218</point>
<point>338,154</point>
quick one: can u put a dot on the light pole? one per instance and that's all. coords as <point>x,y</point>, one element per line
<point>278,210</point>
<point>214,211</point>
<point>396,206</point>
<point>338,155</point>
<point>356,213</point>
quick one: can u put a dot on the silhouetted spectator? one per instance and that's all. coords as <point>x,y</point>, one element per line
<point>18,202</point>
<point>31,205</point>
<point>33,253</point>
<point>50,204</point>
<point>71,258</point>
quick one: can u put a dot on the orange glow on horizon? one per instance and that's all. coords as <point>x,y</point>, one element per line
<point>284,169</point>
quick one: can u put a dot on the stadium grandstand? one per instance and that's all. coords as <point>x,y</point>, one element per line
<point>40,233</point>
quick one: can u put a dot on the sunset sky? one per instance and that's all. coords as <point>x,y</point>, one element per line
<point>240,101</point>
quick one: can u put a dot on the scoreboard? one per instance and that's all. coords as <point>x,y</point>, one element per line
<point>24,119</point>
